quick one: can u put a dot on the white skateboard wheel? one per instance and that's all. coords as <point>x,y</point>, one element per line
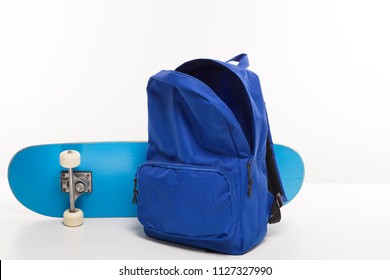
<point>73,219</point>
<point>70,159</point>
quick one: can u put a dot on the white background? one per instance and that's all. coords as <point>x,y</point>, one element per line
<point>77,71</point>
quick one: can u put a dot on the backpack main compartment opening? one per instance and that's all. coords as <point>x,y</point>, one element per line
<point>227,86</point>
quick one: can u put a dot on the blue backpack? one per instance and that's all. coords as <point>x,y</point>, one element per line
<point>210,179</point>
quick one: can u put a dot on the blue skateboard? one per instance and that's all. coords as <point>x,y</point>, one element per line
<point>102,179</point>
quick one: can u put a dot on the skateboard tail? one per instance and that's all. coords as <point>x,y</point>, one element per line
<point>292,170</point>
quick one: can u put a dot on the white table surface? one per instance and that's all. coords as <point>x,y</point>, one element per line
<point>325,221</point>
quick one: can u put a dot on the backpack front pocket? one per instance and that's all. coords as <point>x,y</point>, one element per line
<point>185,200</point>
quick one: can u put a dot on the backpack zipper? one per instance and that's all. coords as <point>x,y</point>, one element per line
<point>250,180</point>
<point>135,191</point>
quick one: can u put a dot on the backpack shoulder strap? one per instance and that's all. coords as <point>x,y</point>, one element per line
<point>275,186</point>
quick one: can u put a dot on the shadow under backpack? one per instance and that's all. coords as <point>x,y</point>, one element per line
<point>210,179</point>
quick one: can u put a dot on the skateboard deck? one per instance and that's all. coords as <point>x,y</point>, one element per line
<point>34,175</point>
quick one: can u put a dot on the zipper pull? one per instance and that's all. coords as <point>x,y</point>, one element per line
<point>250,181</point>
<point>135,191</point>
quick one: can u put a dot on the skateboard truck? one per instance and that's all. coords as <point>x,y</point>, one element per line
<point>76,183</point>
